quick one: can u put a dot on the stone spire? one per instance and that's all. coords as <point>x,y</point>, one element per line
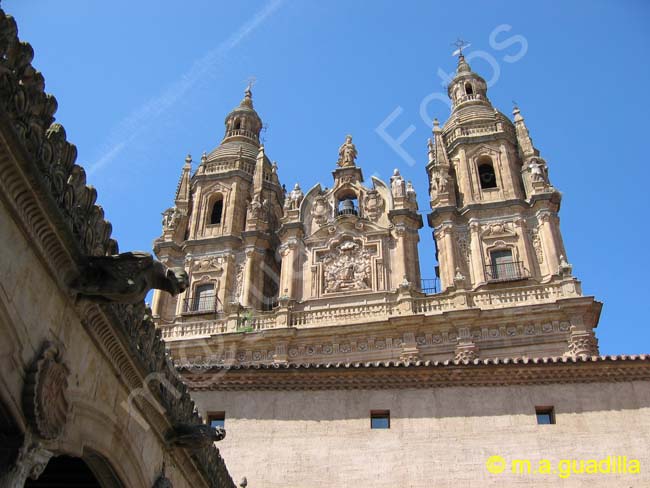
<point>440,182</point>
<point>523,136</point>
<point>183,190</point>
<point>258,176</point>
<point>440,152</point>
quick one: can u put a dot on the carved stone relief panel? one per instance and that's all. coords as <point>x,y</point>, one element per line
<point>44,397</point>
<point>347,266</point>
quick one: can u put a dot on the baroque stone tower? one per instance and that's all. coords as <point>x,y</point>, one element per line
<point>333,274</point>
<point>223,224</point>
<point>494,210</point>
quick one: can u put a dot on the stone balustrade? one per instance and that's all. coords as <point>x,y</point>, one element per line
<point>398,304</point>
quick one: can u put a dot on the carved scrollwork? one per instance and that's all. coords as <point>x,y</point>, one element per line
<point>373,205</point>
<point>321,210</point>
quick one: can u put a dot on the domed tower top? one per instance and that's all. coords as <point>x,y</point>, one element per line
<point>243,122</point>
<point>242,136</point>
<point>467,88</point>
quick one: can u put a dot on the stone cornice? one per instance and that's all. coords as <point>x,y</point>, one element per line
<point>419,374</point>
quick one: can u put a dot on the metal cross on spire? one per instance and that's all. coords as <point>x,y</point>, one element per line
<point>460,45</point>
<point>251,81</point>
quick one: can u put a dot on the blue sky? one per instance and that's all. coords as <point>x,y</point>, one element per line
<point>141,84</point>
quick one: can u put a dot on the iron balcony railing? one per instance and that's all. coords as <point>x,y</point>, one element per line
<point>209,304</point>
<point>506,271</point>
<point>430,286</point>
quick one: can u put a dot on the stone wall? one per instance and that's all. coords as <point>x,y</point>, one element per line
<point>438,437</point>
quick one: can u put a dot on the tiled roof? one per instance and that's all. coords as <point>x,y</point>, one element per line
<point>404,364</point>
<point>417,374</point>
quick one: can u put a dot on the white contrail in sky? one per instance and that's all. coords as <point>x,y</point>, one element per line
<point>133,125</point>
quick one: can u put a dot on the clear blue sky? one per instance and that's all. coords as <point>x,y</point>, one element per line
<point>141,84</point>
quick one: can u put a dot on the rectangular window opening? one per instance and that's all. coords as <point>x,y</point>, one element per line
<point>545,415</point>
<point>217,419</point>
<point>380,419</point>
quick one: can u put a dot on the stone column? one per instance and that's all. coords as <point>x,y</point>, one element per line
<point>287,271</point>
<point>247,283</point>
<point>447,257</point>
<point>549,243</point>
<point>464,178</point>
<point>233,209</point>
<point>476,254</point>
<point>528,259</point>
<point>398,265</point>
<point>156,301</point>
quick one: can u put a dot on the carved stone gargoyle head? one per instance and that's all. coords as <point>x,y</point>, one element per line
<point>126,278</point>
<point>194,436</point>
<point>177,281</point>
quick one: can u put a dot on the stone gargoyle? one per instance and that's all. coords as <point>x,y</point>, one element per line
<point>127,278</point>
<point>194,436</point>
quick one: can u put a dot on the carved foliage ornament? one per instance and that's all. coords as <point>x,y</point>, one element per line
<point>44,396</point>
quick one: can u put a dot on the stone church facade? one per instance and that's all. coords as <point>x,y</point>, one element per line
<point>306,319</point>
<point>296,321</point>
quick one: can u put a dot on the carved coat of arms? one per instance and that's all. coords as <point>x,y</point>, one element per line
<point>347,267</point>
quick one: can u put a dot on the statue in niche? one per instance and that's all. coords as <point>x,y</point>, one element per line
<point>294,198</point>
<point>537,171</point>
<point>397,184</point>
<point>171,217</point>
<point>410,192</point>
<point>347,153</point>
<point>347,268</point>
<point>439,182</point>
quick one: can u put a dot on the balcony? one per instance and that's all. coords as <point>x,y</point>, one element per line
<point>430,286</point>
<point>202,304</point>
<point>511,271</point>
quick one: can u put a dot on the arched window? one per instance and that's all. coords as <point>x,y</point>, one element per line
<point>237,124</point>
<point>486,174</point>
<point>204,298</point>
<point>217,211</point>
<point>468,88</point>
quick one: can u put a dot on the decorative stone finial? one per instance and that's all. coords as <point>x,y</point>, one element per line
<point>248,97</point>
<point>188,159</point>
<point>204,157</point>
<point>347,153</point>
